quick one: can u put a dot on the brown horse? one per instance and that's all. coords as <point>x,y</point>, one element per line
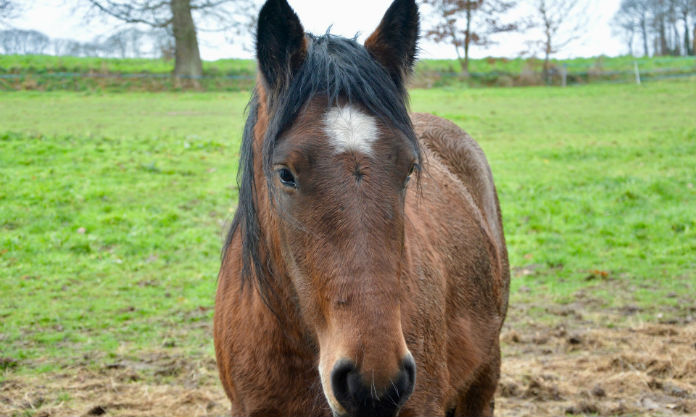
<point>344,288</point>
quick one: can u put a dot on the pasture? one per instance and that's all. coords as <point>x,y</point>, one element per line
<point>43,64</point>
<point>113,209</point>
<point>53,73</point>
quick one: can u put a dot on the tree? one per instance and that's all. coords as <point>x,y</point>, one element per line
<point>659,14</point>
<point>669,14</point>
<point>177,15</point>
<point>18,41</point>
<point>163,41</point>
<point>662,23</point>
<point>561,22</point>
<point>685,9</point>
<point>462,23</point>
<point>9,9</point>
<point>625,25</point>
<point>126,43</point>
<point>633,16</point>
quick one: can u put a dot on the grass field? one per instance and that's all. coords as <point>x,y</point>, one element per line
<point>48,64</point>
<point>113,208</point>
<point>51,73</point>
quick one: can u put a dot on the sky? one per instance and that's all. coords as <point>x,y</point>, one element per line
<point>58,18</point>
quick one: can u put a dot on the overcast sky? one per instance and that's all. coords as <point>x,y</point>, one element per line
<point>57,18</point>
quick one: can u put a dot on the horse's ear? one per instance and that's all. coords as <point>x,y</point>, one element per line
<point>394,42</point>
<point>280,43</point>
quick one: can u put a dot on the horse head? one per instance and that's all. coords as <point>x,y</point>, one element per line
<point>338,151</point>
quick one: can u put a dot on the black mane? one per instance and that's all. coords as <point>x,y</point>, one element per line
<point>335,68</point>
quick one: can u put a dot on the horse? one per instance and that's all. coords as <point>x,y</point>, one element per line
<point>365,272</point>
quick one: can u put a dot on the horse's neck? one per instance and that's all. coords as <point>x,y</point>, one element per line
<point>284,311</point>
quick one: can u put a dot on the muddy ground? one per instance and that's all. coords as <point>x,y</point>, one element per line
<point>567,360</point>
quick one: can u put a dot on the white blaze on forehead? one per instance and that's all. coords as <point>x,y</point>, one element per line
<point>349,128</point>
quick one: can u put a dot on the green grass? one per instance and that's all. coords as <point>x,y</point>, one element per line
<point>50,73</point>
<point>41,64</point>
<point>46,64</point>
<point>111,216</point>
<point>575,65</point>
<point>594,178</point>
<point>112,206</point>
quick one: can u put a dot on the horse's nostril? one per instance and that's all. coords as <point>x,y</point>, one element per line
<point>340,377</point>
<point>407,377</point>
<point>358,398</point>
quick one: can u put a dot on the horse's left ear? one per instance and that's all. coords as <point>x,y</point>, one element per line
<point>280,43</point>
<point>394,42</point>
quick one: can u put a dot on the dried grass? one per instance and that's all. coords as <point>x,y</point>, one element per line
<point>577,369</point>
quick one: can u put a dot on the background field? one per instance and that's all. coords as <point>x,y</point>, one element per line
<point>53,73</point>
<point>56,64</point>
<point>113,208</point>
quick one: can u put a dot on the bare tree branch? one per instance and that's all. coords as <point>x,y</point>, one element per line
<point>182,19</point>
<point>462,23</point>
<point>562,22</point>
<point>145,12</point>
<point>9,9</point>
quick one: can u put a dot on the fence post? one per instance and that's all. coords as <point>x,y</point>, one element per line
<point>564,75</point>
<point>635,64</point>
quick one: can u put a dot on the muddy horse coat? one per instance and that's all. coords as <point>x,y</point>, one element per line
<point>365,272</point>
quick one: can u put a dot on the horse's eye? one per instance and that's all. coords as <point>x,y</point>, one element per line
<point>286,178</point>
<point>410,172</point>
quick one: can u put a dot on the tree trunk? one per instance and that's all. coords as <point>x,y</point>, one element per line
<point>644,31</point>
<point>548,48</point>
<point>663,37</point>
<point>548,40</point>
<point>547,64</point>
<point>187,58</point>
<point>460,59</point>
<point>467,41</point>
<point>687,41</point>
<point>462,63</point>
<point>677,45</point>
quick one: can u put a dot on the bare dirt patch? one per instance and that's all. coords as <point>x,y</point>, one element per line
<point>581,368</point>
<point>571,365</point>
<point>156,385</point>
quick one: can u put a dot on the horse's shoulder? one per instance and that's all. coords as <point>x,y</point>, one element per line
<point>447,145</point>
<point>449,142</point>
<point>464,158</point>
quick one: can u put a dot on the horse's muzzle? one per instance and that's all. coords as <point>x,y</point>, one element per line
<point>360,397</point>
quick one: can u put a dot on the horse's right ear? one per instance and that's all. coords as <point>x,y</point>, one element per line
<point>394,43</point>
<point>280,43</point>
